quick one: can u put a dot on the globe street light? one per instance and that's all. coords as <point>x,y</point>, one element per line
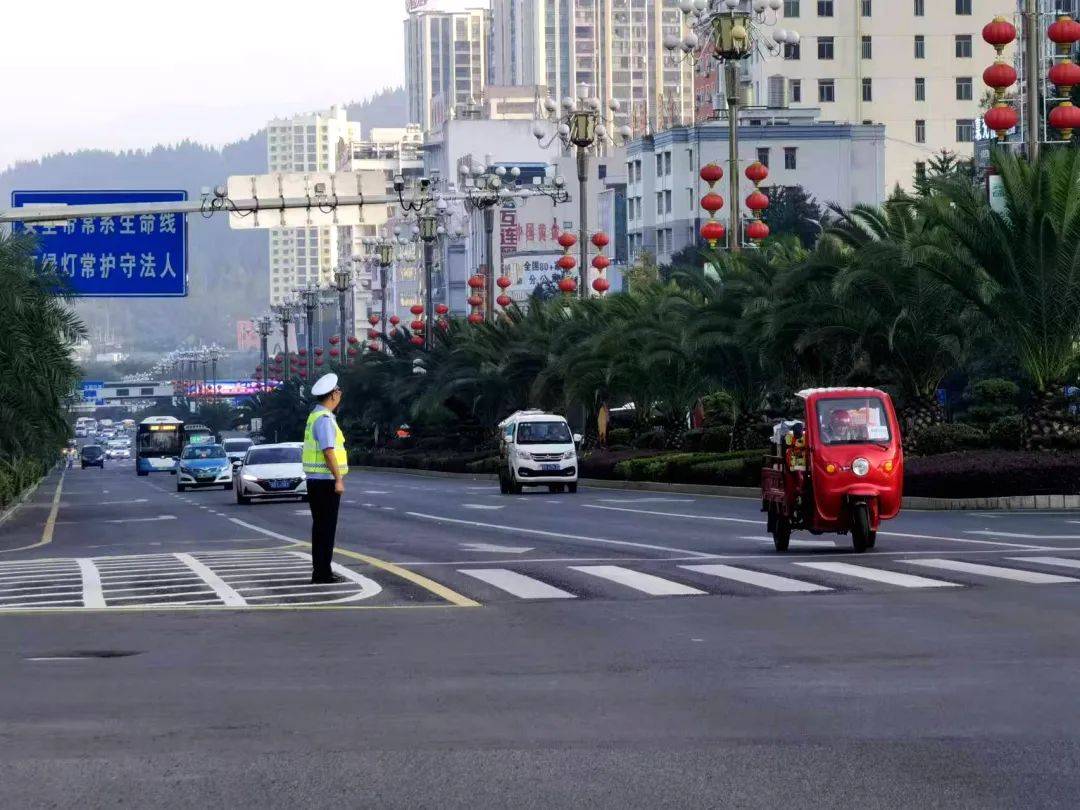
<point>285,312</point>
<point>264,324</point>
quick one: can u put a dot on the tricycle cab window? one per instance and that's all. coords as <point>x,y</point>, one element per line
<point>852,421</point>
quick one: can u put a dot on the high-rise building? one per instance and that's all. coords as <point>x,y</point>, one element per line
<point>913,65</point>
<point>614,47</point>
<point>446,59</point>
<point>304,143</point>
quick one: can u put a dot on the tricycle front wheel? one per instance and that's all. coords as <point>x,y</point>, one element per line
<point>862,537</point>
<point>781,532</point>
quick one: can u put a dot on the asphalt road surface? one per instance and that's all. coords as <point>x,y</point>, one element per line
<point>603,649</point>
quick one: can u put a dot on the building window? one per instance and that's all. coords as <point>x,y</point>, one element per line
<point>659,203</point>
<point>796,91</point>
<point>920,46</point>
<point>965,130</point>
<point>667,202</point>
<point>763,156</point>
<point>867,48</point>
<point>826,90</point>
<point>963,88</point>
<point>792,51</point>
<point>920,171</point>
<point>920,8</point>
<point>963,46</point>
<point>963,7</point>
<point>791,158</point>
<point>660,165</point>
<point>920,88</point>
<point>824,8</point>
<point>667,163</point>
<point>920,130</point>
<point>867,89</point>
<point>825,48</point>
<point>791,8</point>
<point>867,8</point>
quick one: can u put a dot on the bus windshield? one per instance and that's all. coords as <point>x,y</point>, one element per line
<point>161,443</point>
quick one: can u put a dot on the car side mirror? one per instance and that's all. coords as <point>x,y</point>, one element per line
<point>578,438</point>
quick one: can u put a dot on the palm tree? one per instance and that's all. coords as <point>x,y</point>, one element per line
<point>1018,266</point>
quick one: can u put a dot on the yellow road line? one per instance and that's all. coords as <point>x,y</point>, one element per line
<point>50,522</point>
<point>451,596</point>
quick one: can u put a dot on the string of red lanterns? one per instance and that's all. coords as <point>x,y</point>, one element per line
<point>601,262</point>
<point>566,262</point>
<point>1065,74</point>
<point>476,299</point>
<point>504,300</point>
<point>1000,76</point>
<point>712,230</point>
<point>417,326</point>
<point>758,201</point>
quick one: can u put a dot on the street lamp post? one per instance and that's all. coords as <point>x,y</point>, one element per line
<point>309,299</point>
<point>581,126</point>
<point>343,283</point>
<point>265,325</point>
<point>284,312</point>
<point>429,233</point>
<point>386,258</point>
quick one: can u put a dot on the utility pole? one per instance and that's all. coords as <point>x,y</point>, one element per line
<point>265,325</point>
<point>343,282</point>
<point>731,80</point>
<point>583,214</point>
<point>489,251</point>
<point>309,296</point>
<point>429,233</point>
<point>285,315</point>
<point>1031,77</point>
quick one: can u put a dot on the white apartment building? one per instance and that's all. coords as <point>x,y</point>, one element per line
<point>913,65</point>
<point>304,143</point>
<point>834,162</point>
<point>446,59</point>
<point>615,47</point>
<point>385,152</point>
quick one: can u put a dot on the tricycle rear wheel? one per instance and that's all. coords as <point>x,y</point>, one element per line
<point>781,533</point>
<point>861,535</point>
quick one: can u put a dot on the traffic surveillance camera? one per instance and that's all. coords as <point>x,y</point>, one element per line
<point>399,182</point>
<point>221,192</point>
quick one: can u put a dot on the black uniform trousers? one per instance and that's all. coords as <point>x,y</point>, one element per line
<point>324,503</point>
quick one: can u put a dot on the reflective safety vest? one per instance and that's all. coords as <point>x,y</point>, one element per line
<point>313,458</point>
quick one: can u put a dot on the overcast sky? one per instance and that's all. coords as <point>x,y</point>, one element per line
<point>132,73</point>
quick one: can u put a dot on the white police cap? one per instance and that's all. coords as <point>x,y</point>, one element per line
<point>324,385</point>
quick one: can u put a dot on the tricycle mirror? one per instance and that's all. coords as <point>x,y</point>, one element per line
<point>577,438</point>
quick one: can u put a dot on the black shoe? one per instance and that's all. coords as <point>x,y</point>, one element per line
<point>327,580</point>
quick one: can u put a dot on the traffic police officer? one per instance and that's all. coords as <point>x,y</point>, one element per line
<point>325,466</point>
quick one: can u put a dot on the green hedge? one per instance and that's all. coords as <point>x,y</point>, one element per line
<point>723,469</point>
<point>17,475</point>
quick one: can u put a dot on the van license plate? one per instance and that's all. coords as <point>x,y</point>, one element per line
<point>549,467</point>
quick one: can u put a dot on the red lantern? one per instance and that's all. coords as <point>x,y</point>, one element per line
<point>999,33</point>
<point>475,301</point>
<point>567,285</point>
<point>303,375</point>
<point>353,339</point>
<point>999,76</point>
<point>712,173</point>
<point>601,263</point>
<point>395,320</point>
<point>318,351</point>
<point>756,172</point>
<point>302,352</point>
<point>417,341</point>
<point>441,309</point>
<point>372,334</point>
<point>278,357</point>
<point>318,361</point>
<point>1065,118</point>
<point>476,282</point>
<point>475,318</point>
<point>757,230</point>
<point>373,346</point>
<point>1065,75</point>
<point>757,201</point>
<point>417,309</point>
<point>504,282</point>
<point>566,262</point>
<point>567,240</point>
<point>335,352</point>
<point>601,285</point>
<point>1001,119</point>
<point>1065,31</point>
<point>373,319</point>
<point>713,232</point>
<point>600,239</point>
<point>504,300</point>
<point>712,202</point>
<point>353,351</point>
<point>417,326</point>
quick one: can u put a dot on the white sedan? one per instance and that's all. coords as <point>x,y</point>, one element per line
<point>272,471</point>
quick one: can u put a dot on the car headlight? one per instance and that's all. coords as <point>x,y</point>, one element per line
<point>250,477</point>
<point>860,466</point>
<point>569,454</point>
<point>524,456</point>
<point>185,470</point>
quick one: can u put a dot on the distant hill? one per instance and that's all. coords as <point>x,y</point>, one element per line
<point>227,269</point>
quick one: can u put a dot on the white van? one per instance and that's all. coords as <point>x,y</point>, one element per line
<point>536,450</point>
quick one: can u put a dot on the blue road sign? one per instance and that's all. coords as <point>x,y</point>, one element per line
<point>91,392</point>
<point>131,256</point>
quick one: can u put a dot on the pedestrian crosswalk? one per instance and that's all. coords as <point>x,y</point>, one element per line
<point>281,578</point>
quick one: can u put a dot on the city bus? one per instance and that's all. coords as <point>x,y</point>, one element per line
<point>158,442</point>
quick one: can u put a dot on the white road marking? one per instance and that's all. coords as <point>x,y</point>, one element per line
<point>484,506</point>
<point>1019,536</point>
<point>388,508</point>
<point>368,587</point>
<point>517,584</point>
<point>216,583</point>
<point>541,533</point>
<point>645,500</point>
<point>879,575</point>
<point>955,539</point>
<point>261,530</point>
<point>487,547</point>
<point>796,543</point>
<point>118,503</point>
<point>1061,562</point>
<point>646,583</point>
<point>92,595</point>
<point>374,492</point>
<point>672,514</point>
<point>771,582</point>
<point>122,520</point>
<point>1014,574</point>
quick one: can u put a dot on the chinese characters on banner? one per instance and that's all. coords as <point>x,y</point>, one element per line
<point>529,252</point>
<point>126,255</point>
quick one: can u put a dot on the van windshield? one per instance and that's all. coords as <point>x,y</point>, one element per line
<point>853,421</point>
<point>544,433</point>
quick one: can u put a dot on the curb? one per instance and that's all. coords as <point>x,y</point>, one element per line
<point>1013,503</point>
